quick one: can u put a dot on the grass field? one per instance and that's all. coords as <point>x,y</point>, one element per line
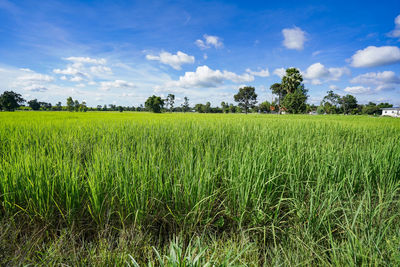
<point>224,189</point>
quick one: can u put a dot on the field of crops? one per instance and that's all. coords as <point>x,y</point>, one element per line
<point>230,189</point>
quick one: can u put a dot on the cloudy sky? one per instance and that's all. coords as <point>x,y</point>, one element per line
<point>121,52</point>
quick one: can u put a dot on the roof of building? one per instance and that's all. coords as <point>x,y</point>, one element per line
<point>394,108</point>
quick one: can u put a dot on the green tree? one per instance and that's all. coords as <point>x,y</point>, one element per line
<point>331,102</point>
<point>295,102</point>
<point>278,90</point>
<point>170,102</point>
<point>224,107</point>
<point>10,100</point>
<point>185,105</point>
<point>296,93</point>
<point>232,108</point>
<point>34,104</point>
<point>154,104</point>
<point>246,97</point>
<point>265,107</point>
<point>370,109</point>
<point>349,104</point>
<point>292,80</point>
<point>70,104</point>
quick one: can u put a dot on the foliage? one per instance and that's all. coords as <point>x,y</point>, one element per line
<point>277,89</point>
<point>349,103</point>
<point>331,102</point>
<point>246,97</point>
<point>154,104</point>
<point>9,100</point>
<point>185,105</point>
<point>169,102</point>
<point>295,102</point>
<point>292,80</point>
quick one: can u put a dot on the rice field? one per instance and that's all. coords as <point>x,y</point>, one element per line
<point>135,189</point>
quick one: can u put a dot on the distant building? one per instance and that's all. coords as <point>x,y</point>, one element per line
<point>392,112</point>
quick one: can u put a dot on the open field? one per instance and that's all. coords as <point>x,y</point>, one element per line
<point>119,188</point>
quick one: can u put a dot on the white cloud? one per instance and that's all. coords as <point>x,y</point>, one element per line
<point>280,72</point>
<point>175,61</point>
<point>206,77</point>
<point>99,70</point>
<point>89,60</point>
<point>373,56</point>
<point>32,81</point>
<point>36,77</point>
<point>76,79</point>
<point>358,90</point>
<point>316,53</point>
<point>115,84</point>
<point>396,32</point>
<point>318,71</point>
<point>209,41</point>
<point>382,80</point>
<point>261,73</point>
<point>26,69</point>
<point>294,38</point>
<point>79,70</point>
<point>69,71</point>
<point>333,87</point>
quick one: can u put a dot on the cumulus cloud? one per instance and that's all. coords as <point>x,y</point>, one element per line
<point>206,77</point>
<point>36,77</point>
<point>357,90</point>
<point>32,81</point>
<point>294,38</point>
<point>382,80</point>
<point>175,61</point>
<point>89,60</point>
<point>261,73</point>
<point>209,41</point>
<point>318,71</point>
<point>107,85</point>
<point>280,72</point>
<point>396,32</point>
<point>83,68</point>
<point>373,56</point>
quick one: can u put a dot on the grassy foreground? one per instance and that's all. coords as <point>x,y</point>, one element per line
<point>218,189</point>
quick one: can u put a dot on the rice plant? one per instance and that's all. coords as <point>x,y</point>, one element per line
<point>99,188</point>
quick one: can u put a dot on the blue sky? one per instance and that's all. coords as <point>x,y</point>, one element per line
<point>121,52</point>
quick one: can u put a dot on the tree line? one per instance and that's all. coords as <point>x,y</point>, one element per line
<point>291,97</point>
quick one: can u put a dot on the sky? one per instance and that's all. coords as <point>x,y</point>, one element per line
<point>121,52</point>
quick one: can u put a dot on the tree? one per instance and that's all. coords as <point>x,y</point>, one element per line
<point>154,104</point>
<point>76,105</point>
<point>265,107</point>
<point>331,102</point>
<point>185,105</point>
<point>246,97</point>
<point>34,104</point>
<point>70,104</point>
<point>296,102</point>
<point>370,109</point>
<point>349,103</point>
<point>296,93</point>
<point>278,90</point>
<point>224,107</point>
<point>170,102</point>
<point>10,100</point>
<point>292,80</point>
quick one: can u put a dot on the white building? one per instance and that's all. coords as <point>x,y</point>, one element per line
<point>393,112</point>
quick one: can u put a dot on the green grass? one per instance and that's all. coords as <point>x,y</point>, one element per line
<point>196,189</point>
